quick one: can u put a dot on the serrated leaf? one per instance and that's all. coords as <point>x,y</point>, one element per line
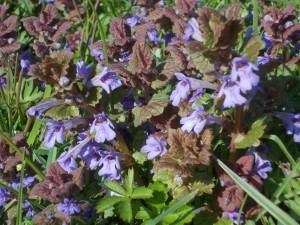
<point>107,202</point>
<point>139,157</point>
<point>160,196</point>
<point>144,214</point>
<point>93,96</point>
<point>142,192</point>
<point>115,187</point>
<point>253,46</point>
<point>62,112</point>
<point>155,107</point>
<point>129,182</point>
<point>125,210</point>
<point>203,64</point>
<point>252,137</point>
<point>223,222</point>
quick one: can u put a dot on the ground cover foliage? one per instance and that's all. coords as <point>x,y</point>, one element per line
<point>149,112</point>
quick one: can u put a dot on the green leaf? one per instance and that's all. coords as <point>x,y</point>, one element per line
<point>115,187</point>
<point>107,202</point>
<point>140,157</point>
<point>253,46</point>
<point>203,64</point>
<point>62,112</point>
<point>93,96</point>
<point>160,196</point>
<point>142,192</point>
<point>183,215</point>
<point>172,209</point>
<point>144,214</point>
<point>275,211</point>
<point>129,179</point>
<point>125,210</point>
<point>252,137</point>
<point>155,107</point>
<point>223,222</point>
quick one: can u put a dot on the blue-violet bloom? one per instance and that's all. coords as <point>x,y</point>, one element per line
<point>242,73</point>
<point>153,35</point>
<point>234,216</point>
<point>110,166</point>
<point>27,181</point>
<point>4,194</point>
<point>197,120</point>
<point>68,207</point>
<point>291,123</point>
<point>55,130</point>
<point>193,30</point>
<point>232,92</point>
<point>106,79</point>
<point>154,147</point>
<point>102,127</point>
<point>83,71</point>
<point>97,53</point>
<point>38,110</point>
<point>186,85</point>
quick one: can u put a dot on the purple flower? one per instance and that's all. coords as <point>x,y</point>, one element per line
<point>38,110</point>
<point>128,101</point>
<point>110,166</point>
<point>134,20</point>
<point>242,73</point>
<point>196,121</point>
<point>30,213</point>
<point>234,216</point>
<point>67,162</point>
<point>153,35</point>
<point>102,127</point>
<point>154,147</point>
<point>26,61</point>
<point>107,80</point>
<point>4,194</point>
<point>232,93</point>
<point>291,123</point>
<point>249,32</point>
<point>83,71</point>
<point>92,157</point>
<point>182,90</point>
<point>3,81</point>
<point>27,181</point>
<point>199,93</point>
<point>125,57</point>
<point>186,85</point>
<point>46,1</point>
<point>67,159</point>
<point>89,214</point>
<point>261,60</point>
<point>68,207</point>
<point>262,166</point>
<point>98,53</point>
<point>168,37</point>
<point>56,130</point>
<point>193,30</point>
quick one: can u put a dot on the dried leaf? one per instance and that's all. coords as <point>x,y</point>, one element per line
<point>49,15</point>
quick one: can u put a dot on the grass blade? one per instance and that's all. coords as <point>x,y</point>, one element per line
<point>173,208</point>
<point>280,144</point>
<point>274,210</point>
<point>20,194</point>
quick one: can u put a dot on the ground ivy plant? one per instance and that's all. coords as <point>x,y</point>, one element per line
<point>149,112</point>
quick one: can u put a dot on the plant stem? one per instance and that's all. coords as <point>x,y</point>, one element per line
<point>19,88</point>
